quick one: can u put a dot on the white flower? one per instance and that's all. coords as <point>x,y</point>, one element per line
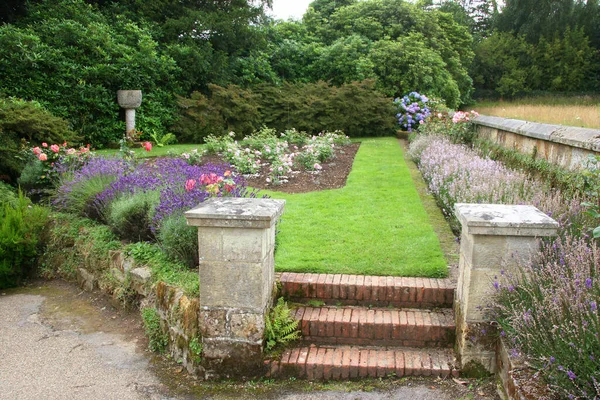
<point>317,167</point>
<point>232,134</point>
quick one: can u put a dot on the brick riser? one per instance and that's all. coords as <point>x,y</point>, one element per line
<point>376,327</point>
<point>337,363</point>
<point>368,290</point>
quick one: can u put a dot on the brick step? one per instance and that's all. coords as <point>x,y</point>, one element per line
<point>380,291</point>
<point>376,327</point>
<point>346,362</point>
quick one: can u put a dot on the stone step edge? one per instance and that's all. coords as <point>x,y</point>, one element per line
<point>375,290</point>
<point>348,362</point>
<point>382,327</point>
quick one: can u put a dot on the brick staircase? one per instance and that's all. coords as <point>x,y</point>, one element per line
<point>367,326</point>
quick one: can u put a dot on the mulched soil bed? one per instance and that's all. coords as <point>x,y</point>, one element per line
<point>333,175</point>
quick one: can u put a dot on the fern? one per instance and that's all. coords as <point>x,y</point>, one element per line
<point>280,326</point>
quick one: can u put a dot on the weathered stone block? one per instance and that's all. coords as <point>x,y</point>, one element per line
<point>213,322</point>
<point>247,326</point>
<point>232,285</point>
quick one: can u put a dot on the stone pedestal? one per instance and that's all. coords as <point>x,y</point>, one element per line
<point>129,100</point>
<point>494,238</point>
<point>236,238</point>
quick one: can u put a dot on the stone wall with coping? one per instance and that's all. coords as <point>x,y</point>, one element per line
<point>178,313</point>
<point>565,146</point>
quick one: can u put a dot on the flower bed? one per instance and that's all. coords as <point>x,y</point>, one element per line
<point>548,313</point>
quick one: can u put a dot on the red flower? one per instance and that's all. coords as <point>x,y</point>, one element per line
<point>147,146</point>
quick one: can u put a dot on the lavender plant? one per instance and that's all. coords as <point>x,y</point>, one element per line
<point>549,312</point>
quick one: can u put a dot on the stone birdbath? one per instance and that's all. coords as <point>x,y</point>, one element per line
<point>129,100</point>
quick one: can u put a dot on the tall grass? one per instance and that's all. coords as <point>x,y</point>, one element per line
<point>580,111</point>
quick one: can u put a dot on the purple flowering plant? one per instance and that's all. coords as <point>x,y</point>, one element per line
<point>412,110</point>
<point>548,308</point>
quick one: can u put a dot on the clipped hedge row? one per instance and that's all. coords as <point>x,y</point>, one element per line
<point>357,109</point>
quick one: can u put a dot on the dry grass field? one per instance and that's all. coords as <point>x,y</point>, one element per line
<point>582,112</point>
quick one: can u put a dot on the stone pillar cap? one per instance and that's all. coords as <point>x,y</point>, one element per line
<point>505,220</point>
<point>234,212</point>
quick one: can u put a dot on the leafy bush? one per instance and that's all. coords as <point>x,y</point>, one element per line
<point>157,339</point>
<point>73,59</point>
<point>7,194</point>
<point>280,326</point>
<point>179,241</point>
<point>23,122</point>
<point>47,163</point>
<point>21,226</point>
<point>130,217</point>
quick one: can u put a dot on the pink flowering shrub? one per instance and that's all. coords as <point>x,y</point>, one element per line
<point>47,163</point>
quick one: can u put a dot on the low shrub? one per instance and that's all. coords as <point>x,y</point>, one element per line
<point>179,241</point>
<point>412,111</point>
<point>130,217</point>
<point>549,312</point>
<point>23,122</point>
<point>77,191</point>
<point>548,308</point>
<point>21,227</point>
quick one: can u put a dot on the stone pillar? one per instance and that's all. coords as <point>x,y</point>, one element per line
<point>236,238</point>
<point>129,100</point>
<point>494,237</point>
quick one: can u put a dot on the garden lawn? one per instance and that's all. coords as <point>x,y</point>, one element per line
<point>140,152</point>
<point>375,225</point>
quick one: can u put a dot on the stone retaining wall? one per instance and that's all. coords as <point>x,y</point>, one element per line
<point>566,146</point>
<point>178,313</point>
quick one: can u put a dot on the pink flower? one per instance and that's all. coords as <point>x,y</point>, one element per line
<point>55,148</point>
<point>37,151</point>
<point>84,150</point>
<point>71,151</point>
<point>43,157</point>
<point>189,184</point>
<point>147,146</point>
<point>317,167</point>
<point>44,144</point>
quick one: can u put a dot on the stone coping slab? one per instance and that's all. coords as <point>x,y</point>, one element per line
<point>506,220</point>
<point>232,212</point>
<point>584,138</point>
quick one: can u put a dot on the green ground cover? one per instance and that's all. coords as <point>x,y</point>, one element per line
<point>375,225</point>
<point>156,151</point>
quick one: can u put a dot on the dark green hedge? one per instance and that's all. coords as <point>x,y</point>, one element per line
<point>357,109</point>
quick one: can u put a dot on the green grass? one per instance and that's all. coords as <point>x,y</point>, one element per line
<point>375,225</point>
<point>156,151</point>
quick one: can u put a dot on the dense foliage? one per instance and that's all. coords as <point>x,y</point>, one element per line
<point>356,108</point>
<point>21,226</point>
<point>73,59</point>
<point>23,122</point>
